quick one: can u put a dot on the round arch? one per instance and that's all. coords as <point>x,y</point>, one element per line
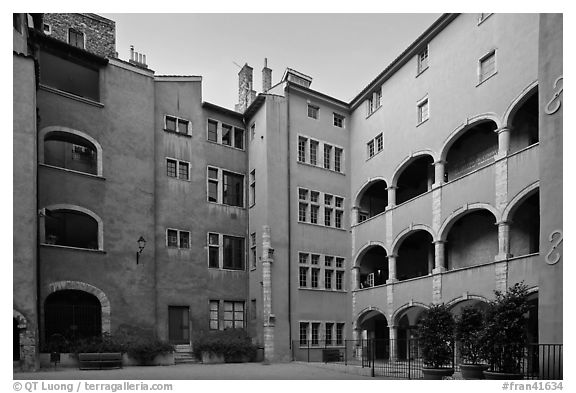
<point>464,298</point>
<point>82,286</point>
<point>365,248</point>
<point>462,211</point>
<point>396,315</point>
<point>44,132</point>
<point>67,206</point>
<point>365,186</point>
<point>518,199</point>
<point>362,313</point>
<point>517,103</point>
<point>407,232</point>
<point>463,128</point>
<point>407,161</point>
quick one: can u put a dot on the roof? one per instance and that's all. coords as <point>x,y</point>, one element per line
<point>225,111</point>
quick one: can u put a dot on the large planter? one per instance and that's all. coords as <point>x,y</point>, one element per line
<point>437,373</point>
<point>501,376</point>
<point>159,360</point>
<point>473,371</point>
<point>212,357</point>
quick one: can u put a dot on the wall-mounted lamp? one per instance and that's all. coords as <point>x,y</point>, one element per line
<point>141,245</point>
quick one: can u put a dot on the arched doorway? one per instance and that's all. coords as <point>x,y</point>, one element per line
<point>72,314</point>
<point>525,227</point>
<point>407,325</point>
<point>415,255</point>
<point>374,326</point>
<point>415,178</point>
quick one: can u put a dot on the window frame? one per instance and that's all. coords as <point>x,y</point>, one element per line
<point>483,78</point>
<point>77,32</point>
<point>424,102</point>
<point>211,314</point>
<point>315,113</point>
<point>423,64</point>
<point>338,120</point>
<point>220,183</point>
<point>179,233</point>
<point>177,168</point>
<point>232,137</point>
<point>220,247</point>
<point>234,304</point>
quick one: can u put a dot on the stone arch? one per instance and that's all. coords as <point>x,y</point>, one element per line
<point>406,232</point>
<point>456,214</point>
<point>465,297</point>
<point>365,186</point>
<point>518,199</point>
<point>365,248</point>
<point>395,315</point>
<point>407,161</point>
<point>364,311</point>
<point>60,129</point>
<point>26,341</point>
<point>517,103</point>
<point>82,286</point>
<point>463,128</point>
<point>67,206</point>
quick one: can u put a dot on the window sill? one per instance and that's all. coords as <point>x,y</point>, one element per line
<point>225,205</point>
<point>323,290</point>
<point>223,269</point>
<point>420,72</point>
<point>480,21</point>
<point>374,111</point>
<point>422,122</point>
<point>72,248</point>
<point>223,145</point>
<point>178,248</point>
<point>71,96</point>
<point>177,133</point>
<point>375,154</point>
<point>320,167</point>
<point>177,178</point>
<point>72,171</point>
<point>487,78</point>
<point>321,226</point>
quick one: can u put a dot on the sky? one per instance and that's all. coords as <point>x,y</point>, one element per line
<point>341,52</point>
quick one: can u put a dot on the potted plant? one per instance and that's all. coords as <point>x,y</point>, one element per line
<point>230,345</point>
<point>504,336</point>
<point>436,339</point>
<point>468,331</point>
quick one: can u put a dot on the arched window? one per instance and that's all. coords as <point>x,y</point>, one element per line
<point>70,149</point>
<point>72,227</point>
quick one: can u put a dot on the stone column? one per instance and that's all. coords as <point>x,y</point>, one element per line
<point>503,141</point>
<point>391,269</point>
<point>439,256</point>
<point>354,215</point>
<point>393,332</point>
<point>355,278</point>
<point>391,197</point>
<point>269,318</point>
<point>503,241</point>
<point>439,173</point>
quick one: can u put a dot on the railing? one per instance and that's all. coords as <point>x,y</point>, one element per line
<point>401,359</point>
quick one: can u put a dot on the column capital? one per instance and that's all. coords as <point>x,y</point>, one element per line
<point>391,280</point>
<point>355,267</point>
<point>503,129</point>
<point>392,256</point>
<point>503,222</point>
<point>392,326</point>
<point>391,187</point>
<point>439,241</point>
<point>502,257</point>
<point>439,162</point>
<point>439,269</point>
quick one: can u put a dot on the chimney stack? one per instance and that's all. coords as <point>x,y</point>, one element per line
<point>137,59</point>
<point>246,93</point>
<point>266,77</point>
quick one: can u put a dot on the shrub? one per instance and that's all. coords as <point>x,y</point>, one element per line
<point>233,344</point>
<point>504,336</point>
<point>468,333</point>
<point>145,348</point>
<point>436,334</point>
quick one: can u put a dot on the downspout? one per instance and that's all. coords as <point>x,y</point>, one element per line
<point>289,221</point>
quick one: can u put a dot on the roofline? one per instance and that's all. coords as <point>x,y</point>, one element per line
<point>226,111</point>
<point>52,43</point>
<point>436,27</point>
<point>318,94</point>
<point>178,78</point>
<point>297,73</point>
<point>255,105</point>
<point>99,18</point>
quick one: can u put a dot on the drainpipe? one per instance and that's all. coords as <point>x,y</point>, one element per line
<point>289,221</point>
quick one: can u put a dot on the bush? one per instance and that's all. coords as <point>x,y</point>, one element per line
<point>145,348</point>
<point>468,333</point>
<point>504,336</point>
<point>233,344</point>
<point>436,335</point>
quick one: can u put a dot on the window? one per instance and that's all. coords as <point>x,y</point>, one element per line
<point>487,66</point>
<point>328,261</point>
<point>339,280</point>
<point>303,258</point>
<point>328,333</point>
<point>327,216</point>
<point>212,131</point>
<point>339,202</point>
<point>252,131</point>
<point>339,333</point>
<point>238,138</point>
<point>214,306</point>
<point>328,279</point>
<point>423,60</point>
<point>337,159</point>
<point>302,212</point>
<point>313,152</point>
<point>338,120</point>
<point>252,195</point>
<point>378,98</point>
<point>339,262</point>
<point>253,309</point>
<point>314,214</point>
<point>226,135</point>
<point>379,143</point>
<point>303,277</point>
<point>75,77</point>
<point>315,259</point>
<point>76,38</point>
<point>302,148</point>
<point>338,218</point>
<point>318,204</point>
<point>177,238</point>
<point>423,111</point>
<point>47,29</point>
<point>70,151</point>
<point>71,228</point>
<point>303,333</point>
<point>315,331</point>
<point>176,124</point>
<point>370,104</point>
<point>370,146</point>
<point>253,250</point>
<point>214,250</point>
<point>233,253</point>
<point>314,196</point>
<point>177,169</point>
<point>328,199</point>
<point>234,315</point>
<point>327,155</point>
<point>303,194</point>
<point>314,278</point>
<point>232,187</point>
<point>313,111</point>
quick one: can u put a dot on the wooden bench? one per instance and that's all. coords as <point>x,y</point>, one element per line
<point>331,355</point>
<point>99,361</point>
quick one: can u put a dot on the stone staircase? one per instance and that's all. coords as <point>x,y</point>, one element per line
<point>183,355</point>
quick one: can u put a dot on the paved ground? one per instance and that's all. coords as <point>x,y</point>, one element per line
<point>289,371</point>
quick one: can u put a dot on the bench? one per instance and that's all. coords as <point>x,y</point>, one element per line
<point>331,355</point>
<point>99,361</point>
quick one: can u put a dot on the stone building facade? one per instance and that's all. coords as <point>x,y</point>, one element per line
<point>299,217</point>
